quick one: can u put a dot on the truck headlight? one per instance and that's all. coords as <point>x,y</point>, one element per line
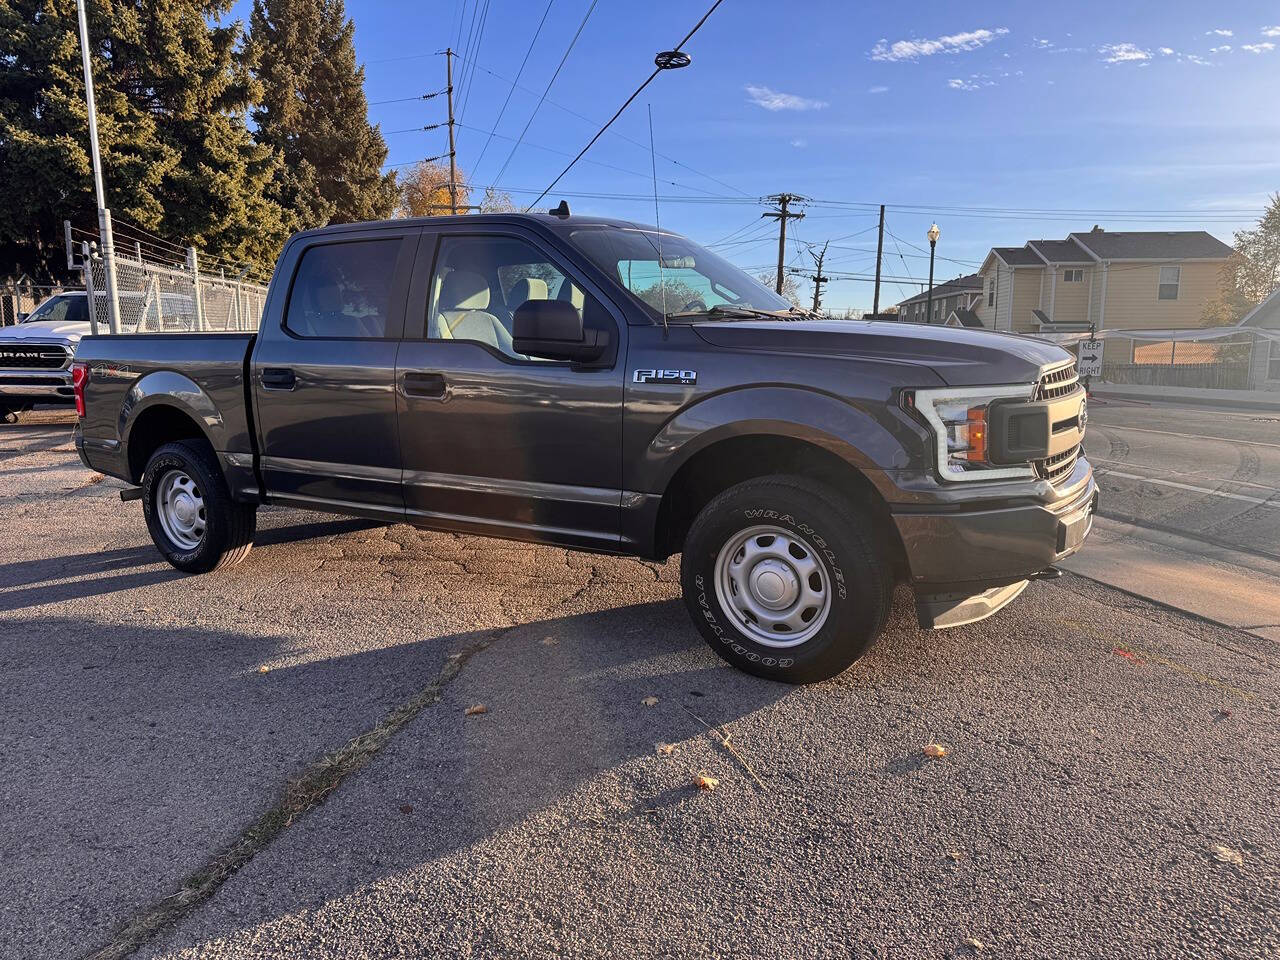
<point>959,419</point>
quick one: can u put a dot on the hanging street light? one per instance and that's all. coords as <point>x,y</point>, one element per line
<point>933,235</point>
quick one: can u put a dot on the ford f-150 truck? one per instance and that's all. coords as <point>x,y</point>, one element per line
<point>602,385</point>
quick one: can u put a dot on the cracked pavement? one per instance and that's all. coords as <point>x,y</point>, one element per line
<point>1099,750</point>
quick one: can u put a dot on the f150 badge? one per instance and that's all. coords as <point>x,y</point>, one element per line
<point>666,376</point>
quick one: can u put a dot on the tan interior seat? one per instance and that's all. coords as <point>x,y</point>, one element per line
<point>463,312</point>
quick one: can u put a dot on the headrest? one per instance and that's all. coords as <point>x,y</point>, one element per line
<point>464,290</point>
<point>526,289</point>
<point>327,298</point>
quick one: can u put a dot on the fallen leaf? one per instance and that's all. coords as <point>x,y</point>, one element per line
<point>550,641</point>
<point>935,750</point>
<point>1227,855</point>
<point>954,854</point>
<point>406,808</point>
<point>474,709</point>
<point>1223,713</point>
<point>704,782</point>
<point>264,669</point>
<point>666,749</point>
<point>650,701</point>
<point>973,943</point>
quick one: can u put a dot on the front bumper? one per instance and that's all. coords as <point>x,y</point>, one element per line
<point>971,558</point>
<point>36,386</point>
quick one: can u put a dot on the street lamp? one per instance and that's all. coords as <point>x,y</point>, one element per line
<point>933,243</point>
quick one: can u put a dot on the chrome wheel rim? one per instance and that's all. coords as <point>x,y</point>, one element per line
<point>180,507</point>
<point>774,585</point>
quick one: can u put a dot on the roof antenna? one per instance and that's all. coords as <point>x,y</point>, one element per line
<point>657,222</point>
<point>560,210</point>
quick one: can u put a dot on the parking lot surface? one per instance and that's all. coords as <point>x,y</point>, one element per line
<point>1108,787</point>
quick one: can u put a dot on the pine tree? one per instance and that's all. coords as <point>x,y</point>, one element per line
<point>176,151</point>
<point>313,112</point>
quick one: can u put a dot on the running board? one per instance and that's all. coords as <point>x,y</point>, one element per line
<point>938,611</point>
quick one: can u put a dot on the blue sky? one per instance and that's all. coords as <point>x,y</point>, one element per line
<point>1094,108</point>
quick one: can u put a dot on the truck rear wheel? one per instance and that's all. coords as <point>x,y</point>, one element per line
<point>194,522</point>
<point>783,579</point>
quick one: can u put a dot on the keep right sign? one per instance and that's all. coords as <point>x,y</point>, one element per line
<point>1089,358</point>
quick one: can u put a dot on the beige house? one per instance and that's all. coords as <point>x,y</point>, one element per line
<point>1146,280</point>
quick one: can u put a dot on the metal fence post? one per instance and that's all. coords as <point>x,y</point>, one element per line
<point>193,264</point>
<point>88,287</point>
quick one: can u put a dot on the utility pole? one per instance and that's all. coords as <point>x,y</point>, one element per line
<point>104,215</point>
<point>818,278</point>
<point>782,215</point>
<point>453,167</point>
<point>875,307</point>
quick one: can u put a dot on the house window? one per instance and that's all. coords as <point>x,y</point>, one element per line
<point>1273,367</point>
<point>1169,278</point>
<point>991,292</point>
<point>1075,275</point>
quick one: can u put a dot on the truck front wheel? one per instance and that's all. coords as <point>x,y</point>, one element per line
<point>783,579</point>
<point>194,522</point>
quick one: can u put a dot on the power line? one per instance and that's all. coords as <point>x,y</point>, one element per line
<point>502,112</point>
<point>657,70</point>
<point>568,50</point>
<point>470,78</point>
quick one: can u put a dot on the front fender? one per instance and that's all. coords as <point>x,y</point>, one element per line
<point>869,435</point>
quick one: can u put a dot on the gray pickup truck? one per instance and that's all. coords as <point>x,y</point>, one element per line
<point>601,385</point>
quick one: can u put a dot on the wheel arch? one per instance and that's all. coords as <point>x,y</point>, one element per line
<point>162,407</point>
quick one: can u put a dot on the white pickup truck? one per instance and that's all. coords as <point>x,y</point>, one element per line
<point>36,352</point>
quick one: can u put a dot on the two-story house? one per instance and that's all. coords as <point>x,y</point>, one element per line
<point>1134,280</point>
<point>949,297</point>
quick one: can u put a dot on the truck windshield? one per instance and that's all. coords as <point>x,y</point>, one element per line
<point>60,309</point>
<point>689,283</point>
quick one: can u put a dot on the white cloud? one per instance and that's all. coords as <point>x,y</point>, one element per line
<point>799,144</point>
<point>1199,61</point>
<point>975,81</point>
<point>1225,48</point>
<point>1219,33</point>
<point>1265,47</point>
<point>1166,51</point>
<point>773,100</point>
<point>953,43</point>
<point>958,84</point>
<point>1123,53</point>
<point>1271,31</point>
<point>877,90</point>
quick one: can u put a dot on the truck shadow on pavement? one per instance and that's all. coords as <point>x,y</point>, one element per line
<point>74,576</point>
<point>134,753</point>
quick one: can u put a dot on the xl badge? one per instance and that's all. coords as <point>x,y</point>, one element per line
<point>665,376</point>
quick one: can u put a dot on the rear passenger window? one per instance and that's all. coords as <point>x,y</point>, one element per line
<point>343,290</point>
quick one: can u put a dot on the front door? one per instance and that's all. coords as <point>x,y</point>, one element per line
<point>493,441</point>
<point>324,375</point>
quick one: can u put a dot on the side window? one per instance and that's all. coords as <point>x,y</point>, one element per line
<point>343,290</point>
<point>481,281</point>
<point>1169,278</point>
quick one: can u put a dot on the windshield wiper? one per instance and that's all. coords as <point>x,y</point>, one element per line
<point>729,312</point>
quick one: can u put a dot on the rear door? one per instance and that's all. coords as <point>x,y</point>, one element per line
<point>497,442</point>
<point>324,373</point>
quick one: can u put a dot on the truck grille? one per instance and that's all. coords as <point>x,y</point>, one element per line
<point>33,356</point>
<point>1054,384</point>
<point>1057,383</point>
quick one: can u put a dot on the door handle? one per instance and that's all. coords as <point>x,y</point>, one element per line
<point>278,378</point>
<point>424,385</point>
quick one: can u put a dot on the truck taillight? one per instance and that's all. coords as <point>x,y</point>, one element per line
<point>79,377</point>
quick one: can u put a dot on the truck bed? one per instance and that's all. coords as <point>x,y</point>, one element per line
<point>203,374</point>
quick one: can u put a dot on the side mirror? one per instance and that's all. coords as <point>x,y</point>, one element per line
<point>552,330</point>
<point>21,318</point>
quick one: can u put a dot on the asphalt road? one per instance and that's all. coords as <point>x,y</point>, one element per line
<point>1099,749</point>
<point>1210,473</point>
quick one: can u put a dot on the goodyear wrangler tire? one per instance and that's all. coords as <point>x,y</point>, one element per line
<point>195,523</point>
<point>783,579</point>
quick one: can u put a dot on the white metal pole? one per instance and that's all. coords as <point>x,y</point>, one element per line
<point>104,215</point>
<point>88,286</point>
<point>193,264</point>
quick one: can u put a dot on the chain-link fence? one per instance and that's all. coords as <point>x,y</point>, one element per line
<point>19,297</point>
<point>158,298</point>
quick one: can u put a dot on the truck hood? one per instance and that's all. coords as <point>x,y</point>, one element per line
<point>67,331</point>
<point>960,356</point>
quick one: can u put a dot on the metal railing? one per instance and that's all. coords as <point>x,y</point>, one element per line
<point>159,298</point>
